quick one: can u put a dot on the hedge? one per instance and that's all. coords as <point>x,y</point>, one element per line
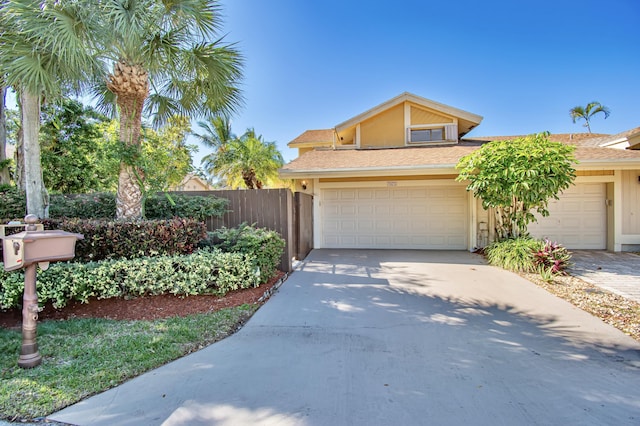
<point>208,271</point>
<point>105,239</point>
<point>102,205</point>
<point>264,245</point>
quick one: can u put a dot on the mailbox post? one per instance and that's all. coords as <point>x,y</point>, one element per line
<point>27,249</point>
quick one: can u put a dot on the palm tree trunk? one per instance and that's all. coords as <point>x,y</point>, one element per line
<point>129,198</point>
<point>130,84</point>
<point>4,170</point>
<point>37,196</point>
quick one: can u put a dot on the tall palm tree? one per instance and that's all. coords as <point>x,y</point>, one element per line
<point>165,61</point>
<point>247,160</point>
<point>4,169</point>
<point>43,52</point>
<point>587,112</point>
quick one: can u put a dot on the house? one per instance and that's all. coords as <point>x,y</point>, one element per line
<point>386,179</point>
<point>192,182</point>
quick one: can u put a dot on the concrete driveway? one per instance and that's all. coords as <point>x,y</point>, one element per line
<point>394,338</point>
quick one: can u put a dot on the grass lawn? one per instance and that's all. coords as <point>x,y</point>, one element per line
<point>82,357</point>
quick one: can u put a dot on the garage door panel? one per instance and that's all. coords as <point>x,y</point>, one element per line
<point>578,220</point>
<point>418,217</point>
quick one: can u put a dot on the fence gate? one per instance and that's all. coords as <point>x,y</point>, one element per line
<point>275,209</point>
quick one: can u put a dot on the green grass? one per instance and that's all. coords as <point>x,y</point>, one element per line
<point>82,357</point>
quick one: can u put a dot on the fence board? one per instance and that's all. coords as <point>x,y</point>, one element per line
<point>266,208</point>
<point>303,224</point>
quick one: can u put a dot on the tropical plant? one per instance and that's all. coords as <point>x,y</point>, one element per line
<point>585,113</point>
<point>44,50</point>
<point>164,64</point>
<point>518,177</point>
<point>514,254</point>
<point>552,258</point>
<point>247,161</point>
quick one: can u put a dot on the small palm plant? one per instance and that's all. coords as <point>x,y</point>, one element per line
<point>587,112</point>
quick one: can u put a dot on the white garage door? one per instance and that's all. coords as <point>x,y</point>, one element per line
<point>578,220</point>
<point>402,218</point>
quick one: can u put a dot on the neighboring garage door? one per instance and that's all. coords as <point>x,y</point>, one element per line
<point>578,220</point>
<point>402,218</point>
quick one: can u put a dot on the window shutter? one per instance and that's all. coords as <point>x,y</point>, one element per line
<point>451,132</point>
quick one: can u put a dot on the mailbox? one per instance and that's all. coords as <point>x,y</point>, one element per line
<point>24,250</point>
<point>27,247</point>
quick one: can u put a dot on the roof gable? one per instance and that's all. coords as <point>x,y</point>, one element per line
<point>470,120</point>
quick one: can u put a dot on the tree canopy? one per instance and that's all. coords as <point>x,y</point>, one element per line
<point>166,60</point>
<point>247,161</point>
<point>159,57</point>
<point>518,177</point>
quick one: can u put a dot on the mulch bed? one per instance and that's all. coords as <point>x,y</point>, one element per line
<point>147,307</point>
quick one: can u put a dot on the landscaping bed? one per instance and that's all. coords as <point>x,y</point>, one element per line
<point>620,312</point>
<point>145,308</point>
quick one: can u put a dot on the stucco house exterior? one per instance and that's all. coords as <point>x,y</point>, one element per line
<point>386,179</point>
<point>192,182</point>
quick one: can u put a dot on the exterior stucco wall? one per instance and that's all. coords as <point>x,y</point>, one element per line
<point>383,130</point>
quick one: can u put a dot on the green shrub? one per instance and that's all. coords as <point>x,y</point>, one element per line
<point>551,259</point>
<point>514,254</point>
<point>264,245</point>
<point>197,207</point>
<point>13,204</point>
<point>102,205</point>
<point>107,239</point>
<point>204,272</point>
<point>99,205</point>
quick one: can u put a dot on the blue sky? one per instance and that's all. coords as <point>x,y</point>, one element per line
<point>520,65</point>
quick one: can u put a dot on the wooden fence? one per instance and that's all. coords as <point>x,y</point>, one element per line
<point>274,209</point>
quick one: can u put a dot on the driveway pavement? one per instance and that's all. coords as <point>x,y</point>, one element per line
<point>393,338</point>
<point>616,272</point>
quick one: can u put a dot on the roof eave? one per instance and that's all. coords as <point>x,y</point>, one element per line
<point>369,171</point>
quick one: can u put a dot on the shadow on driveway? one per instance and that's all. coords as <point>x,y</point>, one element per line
<point>394,337</point>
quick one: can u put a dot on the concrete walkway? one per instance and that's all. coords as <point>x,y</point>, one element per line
<point>616,272</point>
<point>393,338</point>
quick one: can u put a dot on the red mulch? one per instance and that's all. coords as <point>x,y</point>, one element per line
<point>143,308</point>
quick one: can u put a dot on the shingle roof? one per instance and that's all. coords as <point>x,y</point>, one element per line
<point>578,139</point>
<point>604,139</point>
<point>427,157</point>
<point>314,136</point>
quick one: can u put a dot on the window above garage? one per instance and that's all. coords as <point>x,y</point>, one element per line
<point>432,134</point>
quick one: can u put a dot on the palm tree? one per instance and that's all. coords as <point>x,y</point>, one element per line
<point>247,160</point>
<point>587,112</point>
<point>217,132</point>
<point>164,64</point>
<point>4,169</point>
<point>43,52</point>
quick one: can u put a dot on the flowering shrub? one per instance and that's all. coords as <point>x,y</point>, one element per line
<point>552,259</point>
